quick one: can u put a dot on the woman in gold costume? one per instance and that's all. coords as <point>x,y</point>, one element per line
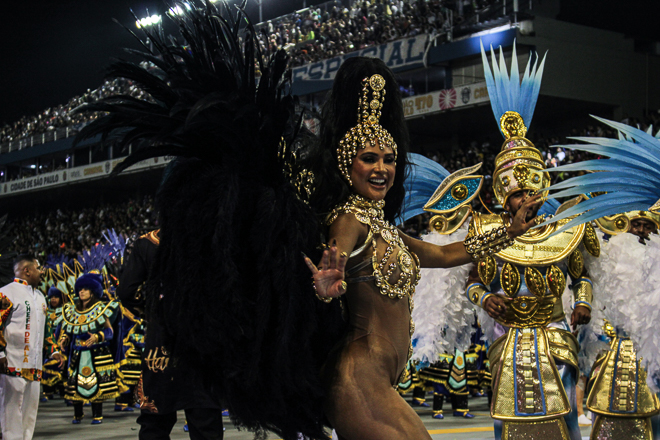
<point>370,264</point>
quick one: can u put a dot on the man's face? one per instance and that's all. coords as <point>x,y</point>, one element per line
<point>31,273</point>
<point>642,228</point>
<point>516,200</point>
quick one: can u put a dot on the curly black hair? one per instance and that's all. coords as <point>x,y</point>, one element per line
<point>338,115</point>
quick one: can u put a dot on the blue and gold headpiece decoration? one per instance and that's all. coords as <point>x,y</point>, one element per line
<point>368,128</point>
<point>519,166</point>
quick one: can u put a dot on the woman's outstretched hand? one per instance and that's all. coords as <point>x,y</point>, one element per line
<point>329,275</point>
<point>519,225</point>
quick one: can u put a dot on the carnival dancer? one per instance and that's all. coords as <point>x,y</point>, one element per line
<point>23,321</point>
<point>52,378</point>
<point>382,264</point>
<point>90,338</point>
<point>533,354</point>
<point>233,205</point>
<point>162,388</point>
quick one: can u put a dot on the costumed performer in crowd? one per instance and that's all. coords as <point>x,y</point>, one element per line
<point>370,261</point>
<point>90,338</point>
<point>52,379</point>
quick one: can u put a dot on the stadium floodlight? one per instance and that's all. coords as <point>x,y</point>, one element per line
<point>179,10</point>
<point>148,21</point>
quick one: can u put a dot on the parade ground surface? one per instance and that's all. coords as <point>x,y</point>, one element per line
<point>54,422</point>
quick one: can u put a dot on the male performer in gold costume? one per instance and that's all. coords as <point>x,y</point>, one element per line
<point>533,358</point>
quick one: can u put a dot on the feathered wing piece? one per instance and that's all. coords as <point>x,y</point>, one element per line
<point>229,283</point>
<point>116,242</point>
<point>6,257</point>
<point>630,177</point>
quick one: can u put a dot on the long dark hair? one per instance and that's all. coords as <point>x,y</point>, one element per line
<point>339,115</point>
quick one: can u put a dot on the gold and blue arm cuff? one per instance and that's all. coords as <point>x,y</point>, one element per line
<point>583,292</point>
<point>477,293</point>
<point>482,245</point>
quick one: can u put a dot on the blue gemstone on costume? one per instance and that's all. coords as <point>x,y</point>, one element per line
<point>448,202</point>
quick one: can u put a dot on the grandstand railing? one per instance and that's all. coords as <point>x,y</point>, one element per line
<point>39,138</point>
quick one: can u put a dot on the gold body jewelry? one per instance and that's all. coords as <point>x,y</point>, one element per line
<point>370,213</point>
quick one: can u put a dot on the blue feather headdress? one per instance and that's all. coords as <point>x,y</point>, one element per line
<point>95,258</point>
<point>431,188</point>
<point>507,92</point>
<point>117,244</point>
<point>519,166</point>
<point>630,177</point>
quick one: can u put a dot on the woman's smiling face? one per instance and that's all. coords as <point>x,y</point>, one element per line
<point>373,171</point>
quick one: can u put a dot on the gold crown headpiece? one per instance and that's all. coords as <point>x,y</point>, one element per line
<point>620,223</point>
<point>519,166</point>
<point>368,128</point>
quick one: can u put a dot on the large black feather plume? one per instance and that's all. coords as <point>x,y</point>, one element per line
<point>229,284</point>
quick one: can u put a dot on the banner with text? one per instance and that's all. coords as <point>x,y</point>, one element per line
<point>71,175</point>
<point>395,54</point>
<point>446,99</point>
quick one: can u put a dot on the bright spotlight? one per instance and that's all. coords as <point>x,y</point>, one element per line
<point>148,21</point>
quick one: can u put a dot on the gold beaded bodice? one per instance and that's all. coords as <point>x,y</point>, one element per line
<point>370,213</point>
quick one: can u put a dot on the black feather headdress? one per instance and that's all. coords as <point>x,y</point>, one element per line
<point>229,283</point>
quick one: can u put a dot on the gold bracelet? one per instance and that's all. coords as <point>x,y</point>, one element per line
<point>477,293</point>
<point>100,337</point>
<point>479,246</point>
<point>583,292</point>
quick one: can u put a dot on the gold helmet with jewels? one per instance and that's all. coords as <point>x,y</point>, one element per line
<point>621,223</point>
<point>519,166</point>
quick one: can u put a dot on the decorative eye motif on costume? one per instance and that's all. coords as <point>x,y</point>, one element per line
<point>456,195</point>
<point>506,180</point>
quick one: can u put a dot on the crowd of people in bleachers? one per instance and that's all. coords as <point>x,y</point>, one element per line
<point>61,116</point>
<point>69,232</point>
<point>322,33</point>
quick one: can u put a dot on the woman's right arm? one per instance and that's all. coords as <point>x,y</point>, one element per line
<point>344,233</point>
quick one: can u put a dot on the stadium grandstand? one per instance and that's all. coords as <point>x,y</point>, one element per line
<point>64,193</point>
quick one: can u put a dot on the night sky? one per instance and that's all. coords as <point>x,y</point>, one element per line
<point>53,50</point>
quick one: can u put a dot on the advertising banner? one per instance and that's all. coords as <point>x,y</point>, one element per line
<point>71,175</point>
<point>395,54</point>
<point>446,99</point>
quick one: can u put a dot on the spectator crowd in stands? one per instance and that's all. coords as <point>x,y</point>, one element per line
<point>69,232</point>
<point>62,117</point>
<point>325,32</point>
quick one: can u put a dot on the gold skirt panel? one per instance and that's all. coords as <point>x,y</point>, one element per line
<point>613,428</point>
<point>527,385</point>
<point>554,429</point>
<point>619,387</point>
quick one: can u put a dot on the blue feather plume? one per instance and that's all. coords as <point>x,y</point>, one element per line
<point>116,242</point>
<point>630,177</point>
<point>508,92</point>
<point>423,179</point>
<point>95,258</point>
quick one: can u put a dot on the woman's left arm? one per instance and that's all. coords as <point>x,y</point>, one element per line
<point>455,254</point>
<point>432,255</point>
